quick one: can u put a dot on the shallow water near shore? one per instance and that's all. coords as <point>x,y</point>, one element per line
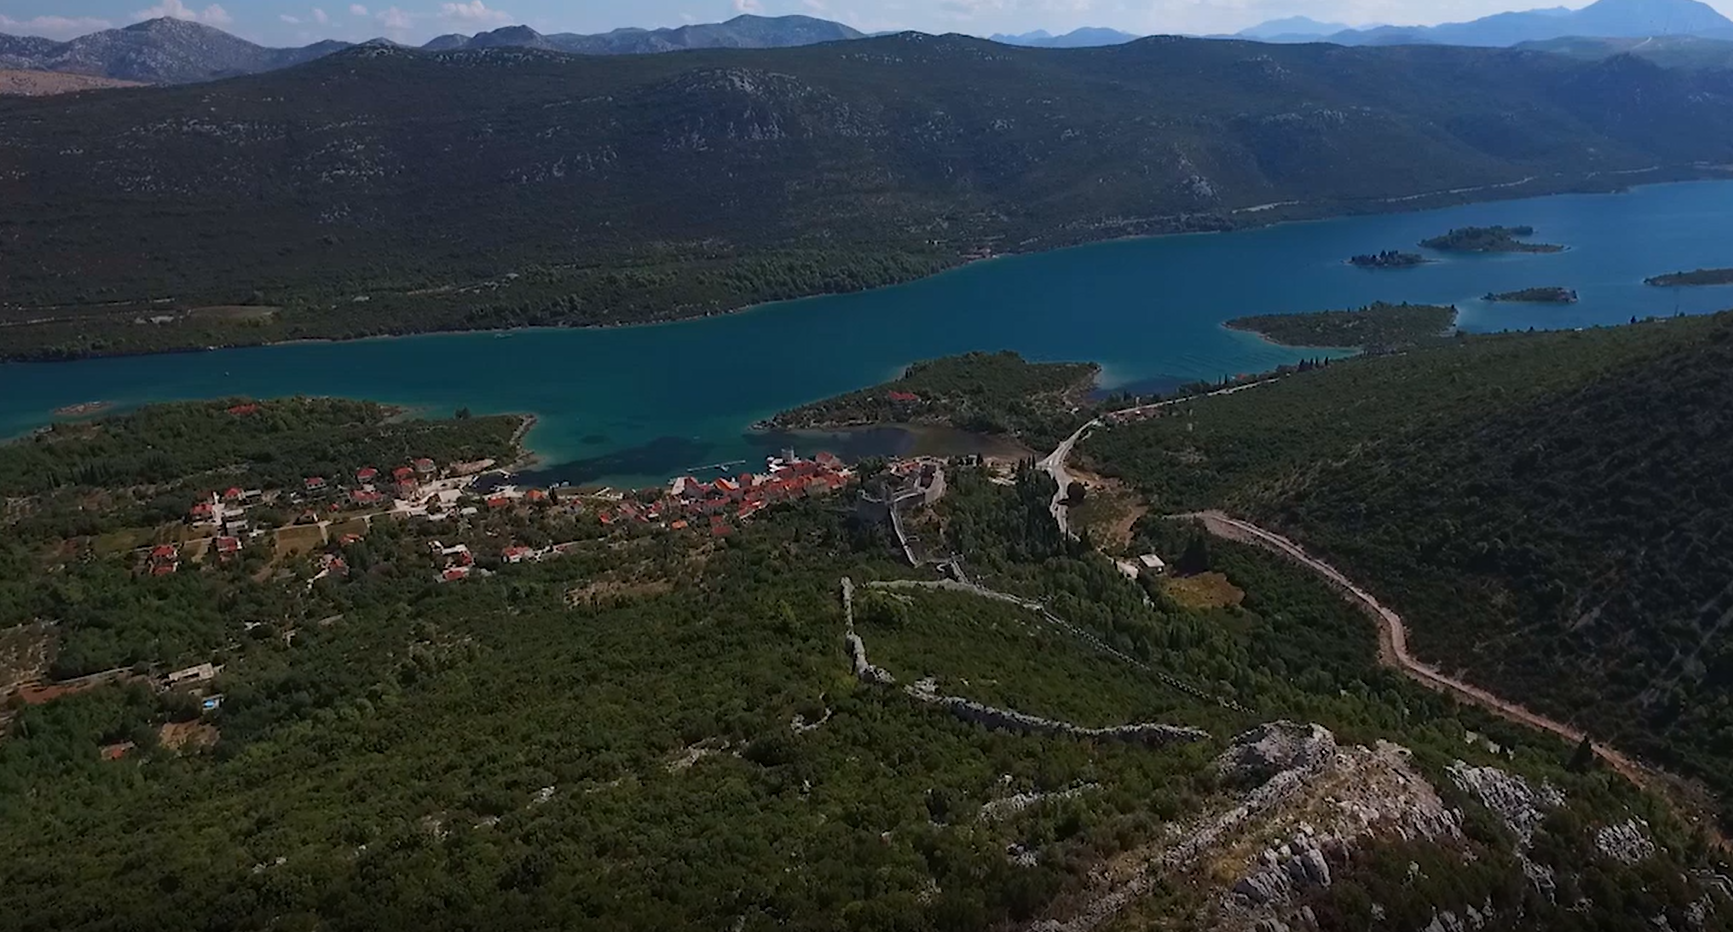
<point>637,404</point>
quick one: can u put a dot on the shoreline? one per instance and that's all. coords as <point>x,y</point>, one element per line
<point>1281,214</point>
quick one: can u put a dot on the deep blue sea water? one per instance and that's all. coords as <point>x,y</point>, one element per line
<point>639,403</point>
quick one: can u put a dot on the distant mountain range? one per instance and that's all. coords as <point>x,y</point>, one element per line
<point>159,51</point>
<point>1292,28</point>
<point>741,32</point>
<point>1087,37</point>
<point>174,51</point>
<point>1636,19</point>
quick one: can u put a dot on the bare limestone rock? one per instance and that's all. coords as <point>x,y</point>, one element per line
<point>1261,753</point>
<point>1627,842</point>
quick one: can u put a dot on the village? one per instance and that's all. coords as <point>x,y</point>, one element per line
<point>324,514</point>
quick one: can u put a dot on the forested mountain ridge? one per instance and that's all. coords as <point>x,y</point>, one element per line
<point>1545,510</point>
<point>512,186</point>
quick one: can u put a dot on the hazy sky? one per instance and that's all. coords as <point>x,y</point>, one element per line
<point>283,22</point>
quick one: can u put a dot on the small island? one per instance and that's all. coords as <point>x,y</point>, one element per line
<point>1536,296</point>
<point>1388,259</point>
<point>1699,277</point>
<point>83,409</point>
<point>1377,327</point>
<point>1488,239</point>
<point>992,393</point>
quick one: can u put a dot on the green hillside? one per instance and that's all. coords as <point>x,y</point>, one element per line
<point>1546,510</point>
<point>660,730</point>
<point>381,190</point>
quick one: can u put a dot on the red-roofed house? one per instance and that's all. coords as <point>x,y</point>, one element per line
<point>228,545</point>
<point>425,468</point>
<point>163,552</point>
<point>348,539</point>
<point>403,474</point>
<point>233,495</point>
<point>315,483</point>
<point>536,495</point>
<point>202,511</point>
<point>366,497</point>
<point>454,574</point>
<point>904,397</point>
<point>680,525</point>
<point>163,569</point>
<point>366,474</point>
<point>241,410</point>
<point>499,501</point>
<point>516,554</point>
<point>606,517</point>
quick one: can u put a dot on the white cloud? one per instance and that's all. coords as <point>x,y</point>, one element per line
<point>748,6</point>
<point>212,15</point>
<point>394,20</point>
<point>291,20</point>
<point>54,27</point>
<point>357,9</point>
<point>474,11</point>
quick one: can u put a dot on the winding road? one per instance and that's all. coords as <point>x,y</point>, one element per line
<point>1393,633</point>
<point>1054,463</point>
<point>1393,640</point>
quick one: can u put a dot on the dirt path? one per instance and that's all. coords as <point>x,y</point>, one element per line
<point>1393,651</point>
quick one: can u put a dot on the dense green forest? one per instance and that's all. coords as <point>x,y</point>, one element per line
<point>1374,328</point>
<point>986,392</point>
<point>586,190</point>
<point>1544,509</point>
<point>1488,239</point>
<point>658,730</point>
<point>276,443</point>
<point>1699,277</point>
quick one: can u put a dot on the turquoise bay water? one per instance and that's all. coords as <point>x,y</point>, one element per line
<point>640,403</point>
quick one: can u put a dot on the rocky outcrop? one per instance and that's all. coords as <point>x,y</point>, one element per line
<point>1319,805</point>
<point>1628,842</point>
<point>1520,806</point>
<point>1265,751</point>
<point>1293,866</point>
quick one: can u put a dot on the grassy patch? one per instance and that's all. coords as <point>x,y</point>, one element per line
<point>1203,592</point>
<point>302,538</point>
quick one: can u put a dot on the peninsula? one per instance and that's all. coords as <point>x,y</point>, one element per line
<point>990,393</point>
<point>1388,259</point>
<point>1552,295</point>
<point>1375,328</point>
<point>1699,277</point>
<point>1488,239</point>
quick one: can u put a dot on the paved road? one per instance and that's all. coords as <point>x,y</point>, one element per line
<point>1054,463</point>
